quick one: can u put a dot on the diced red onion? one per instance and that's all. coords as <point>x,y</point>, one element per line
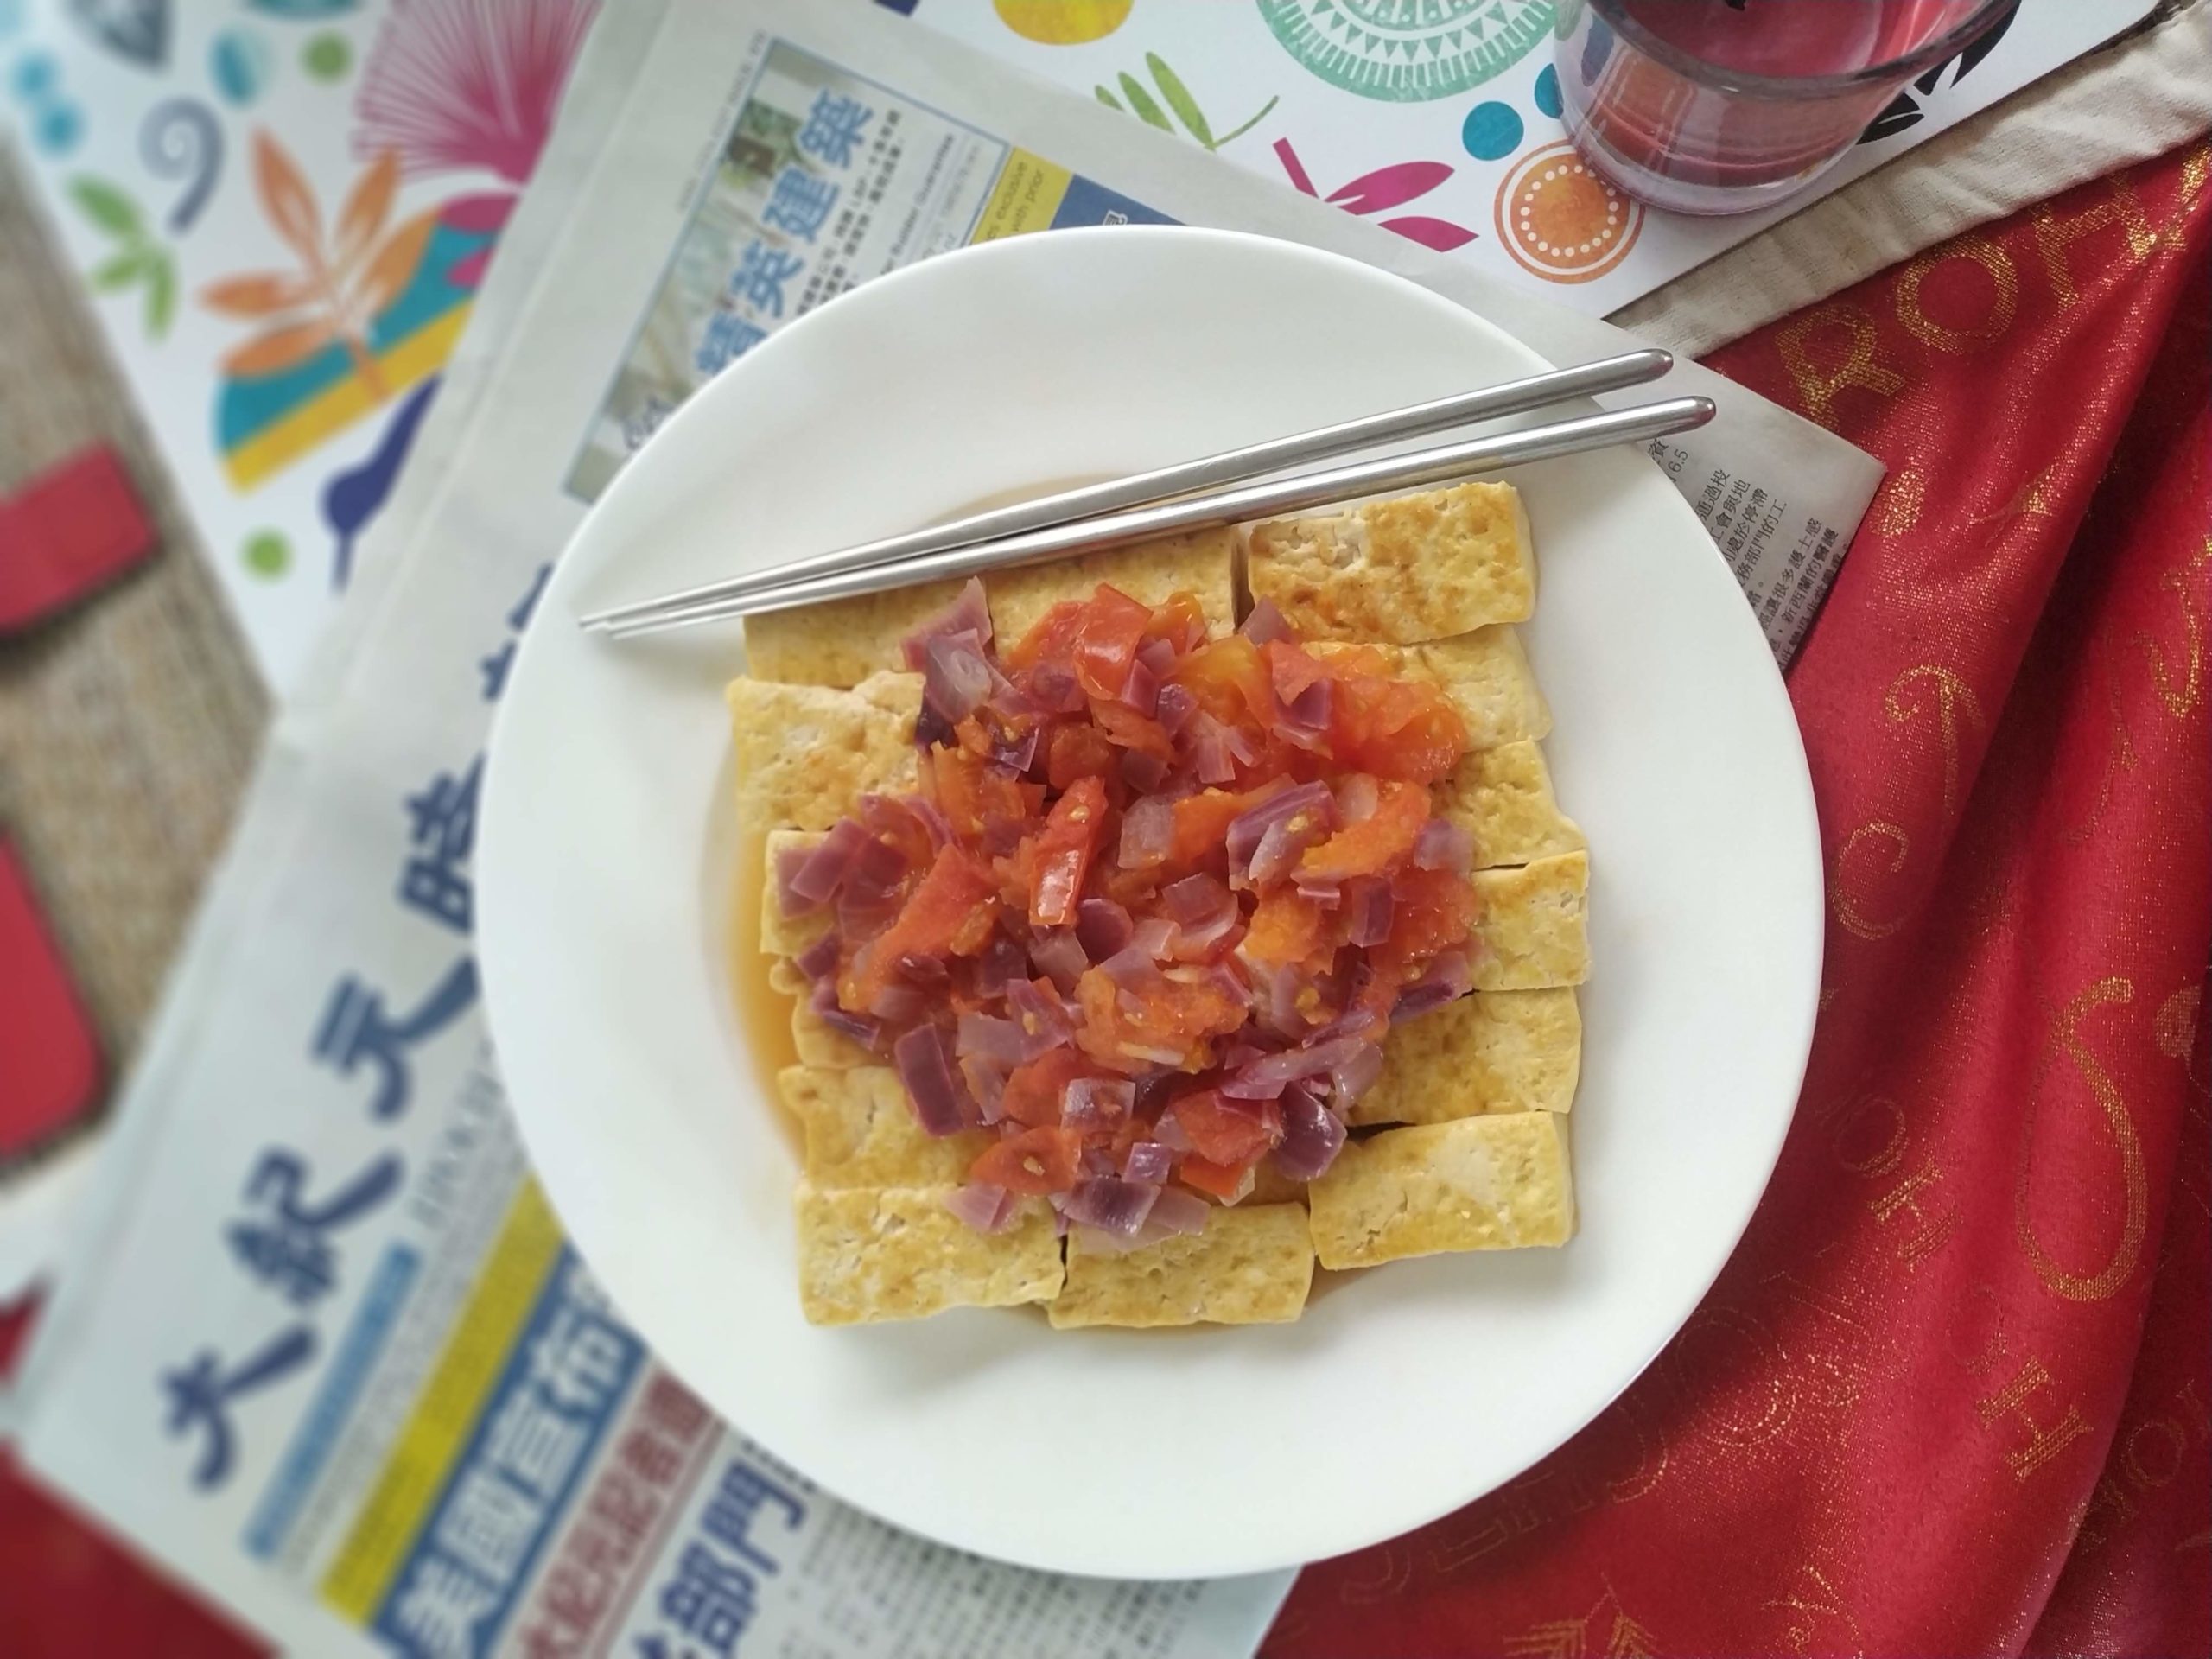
<point>898,1005</point>
<point>1169,1133</point>
<point>926,1068</point>
<point>986,1208</point>
<point>870,892</point>
<point>970,612</point>
<point>1132,967</point>
<point>1312,1136</point>
<point>1368,910</point>
<point>1212,757</point>
<point>1041,1017</point>
<point>1157,655</point>
<point>1143,771</point>
<point>1094,1162</point>
<point>1196,899</point>
<point>1002,960</point>
<point>1112,1206</point>
<point>867,1032</point>
<point>986,1086</point>
<point>1103,926</point>
<point>1304,719</point>
<point>1266,622</point>
<point>1322,890</point>
<point>1176,705</point>
<point>1141,689</point>
<point>1052,688</point>
<point>1444,845</point>
<point>956,680</point>
<point>1357,796</point>
<point>1355,1074</point>
<point>1014,752</point>
<point>1175,1211</point>
<point>1152,936</point>
<point>788,863</point>
<point>818,958</point>
<point>1090,1104</point>
<point>932,730</point>
<point>1147,1161</point>
<point>1057,953</point>
<point>1263,1078</point>
<point>1148,833</point>
<point>1450,977</point>
<point>1253,858</point>
<point>1275,988</point>
<point>917,967</point>
<point>822,870</point>
<point>985,1036</point>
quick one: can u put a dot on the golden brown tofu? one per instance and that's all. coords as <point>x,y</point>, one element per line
<point>1202,564</point>
<point>845,641</point>
<point>1533,926</point>
<point>861,1132</point>
<point>806,752</point>
<point>1496,1183</point>
<point>897,1253</point>
<point>1252,1265</point>
<point>1502,798</point>
<point>1491,1051</point>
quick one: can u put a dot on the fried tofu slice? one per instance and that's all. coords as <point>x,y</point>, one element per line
<point>1502,798</point>
<point>1492,1051</point>
<point>1271,1186</point>
<point>1533,924</point>
<point>897,1253</point>
<point>782,935</point>
<point>845,641</point>
<point>805,752</point>
<point>1202,563</point>
<point>1404,570</point>
<point>1252,1265</point>
<point>814,1040</point>
<point>861,1132</point>
<point>1495,1183</point>
<point>1485,673</point>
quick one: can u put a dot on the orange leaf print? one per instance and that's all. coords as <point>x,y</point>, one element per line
<point>367,205</point>
<point>288,199</point>
<point>279,348</point>
<point>260,294</point>
<point>394,266</point>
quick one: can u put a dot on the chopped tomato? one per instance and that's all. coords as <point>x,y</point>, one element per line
<point>1227,1182</point>
<point>1396,728</point>
<point>1049,636</point>
<point>973,796</point>
<point>1128,730</point>
<point>1076,749</point>
<point>1345,660</point>
<point>1034,1161</point>
<point>954,905</point>
<point>1033,1092</point>
<point>1064,849</point>
<point>1229,678</point>
<point>1378,842</point>
<point>1286,927</point>
<point>1231,1135</point>
<point>1432,911</point>
<point>1180,621</point>
<point>1113,627</point>
<point>1291,668</point>
<point>1201,821</point>
<point>1165,1021</point>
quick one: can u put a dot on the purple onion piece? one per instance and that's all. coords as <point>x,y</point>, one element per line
<point>1354,1075</point>
<point>1052,688</point>
<point>926,1068</point>
<point>986,1086</point>
<point>1013,754</point>
<point>1196,899</point>
<point>1169,1133</point>
<point>863,1030</point>
<point>1041,1017</point>
<point>1147,834</point>
<point>1157,655</point>
<point>1266,622</point>
<point>986,1208</point>
<point>1175,1211</point>
<point>1144,771</point>
<point>823,870</point>
<point>1104,928</point>
<point>1312,1136</point>
<point>1304,719</point>
<point>1450,977</point>
<point>1322,890</point>
<point>1132,967</point>
<point>819,958</point>
<point>986,1037</point>
<point>1368,910</point>
<point>970,613</point>
<point>1090,1104</point>
<point>1141,689</point>
<point>1444,845</point>
<point>898,1005</point>
<point>1057,953</point>
<point>1311,807</point>
<point>1307,1060</point>
<point>1209,749</point>
<point>1094,1162</point>
<point>1173,710</point>
<point>1147,1161</point>
<point>1112,1206</point>
<point>1002,962</point>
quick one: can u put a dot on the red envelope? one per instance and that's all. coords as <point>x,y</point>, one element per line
<point>67,532</point>
<point>49,1064</point>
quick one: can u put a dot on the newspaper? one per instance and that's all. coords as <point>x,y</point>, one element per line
<point>320,1348</point>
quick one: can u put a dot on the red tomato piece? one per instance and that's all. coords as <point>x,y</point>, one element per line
<point>1286,927</point>
<point>1050,637</point>
<point>1065,851</point>
<point>954,904</point>
<point>1230,1136</point>
<point>1076,749</point>
<point>1227,1182</point>
<point>1113,627</point>
<point>1229,678</point>
<point>1033,1161</point>
<point>1432,911</point>
<point>1033,1092</point>
<point>1128,730</point>
<point>1396,728</point>
<point>972,796</point>
<point>1380,841</point>
<point>1180,621</point>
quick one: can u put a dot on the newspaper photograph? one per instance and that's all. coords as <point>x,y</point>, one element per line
<point>320,1348</point>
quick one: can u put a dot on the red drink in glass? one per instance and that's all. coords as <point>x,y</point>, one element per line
<point>1719,106</point>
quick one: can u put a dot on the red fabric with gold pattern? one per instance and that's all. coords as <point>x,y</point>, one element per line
<point>1923,1411</point>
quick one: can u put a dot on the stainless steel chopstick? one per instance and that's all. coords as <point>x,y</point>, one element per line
<point>1144,489</point>
<point>1444,464</point>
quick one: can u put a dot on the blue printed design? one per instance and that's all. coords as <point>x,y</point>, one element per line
<point>137,31</point>
<point>561,1388</point>
<point>443,830</point>
<point>355,1032</point>
<point>1492,132</point>
<point>289,1247</point>
<point>710,1597</point>
<point>1547,92</point>
<point>200,1394</point>
<point>1086,203</point>
<point>356,495</point>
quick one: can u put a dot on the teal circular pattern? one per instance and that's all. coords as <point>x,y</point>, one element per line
<point>1407,51</point>
<point>240,62</point>
<point>1547,92</point>
<point>1492,132</point>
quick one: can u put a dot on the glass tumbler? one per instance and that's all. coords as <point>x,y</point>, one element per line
<point>1722,106</point>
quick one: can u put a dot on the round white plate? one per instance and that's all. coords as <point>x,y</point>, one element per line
<point>607,844</point>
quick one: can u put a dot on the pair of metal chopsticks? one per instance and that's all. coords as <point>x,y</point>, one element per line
<point>1230,488</point>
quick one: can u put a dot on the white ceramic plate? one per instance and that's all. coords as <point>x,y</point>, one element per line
<point>607,851</point>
